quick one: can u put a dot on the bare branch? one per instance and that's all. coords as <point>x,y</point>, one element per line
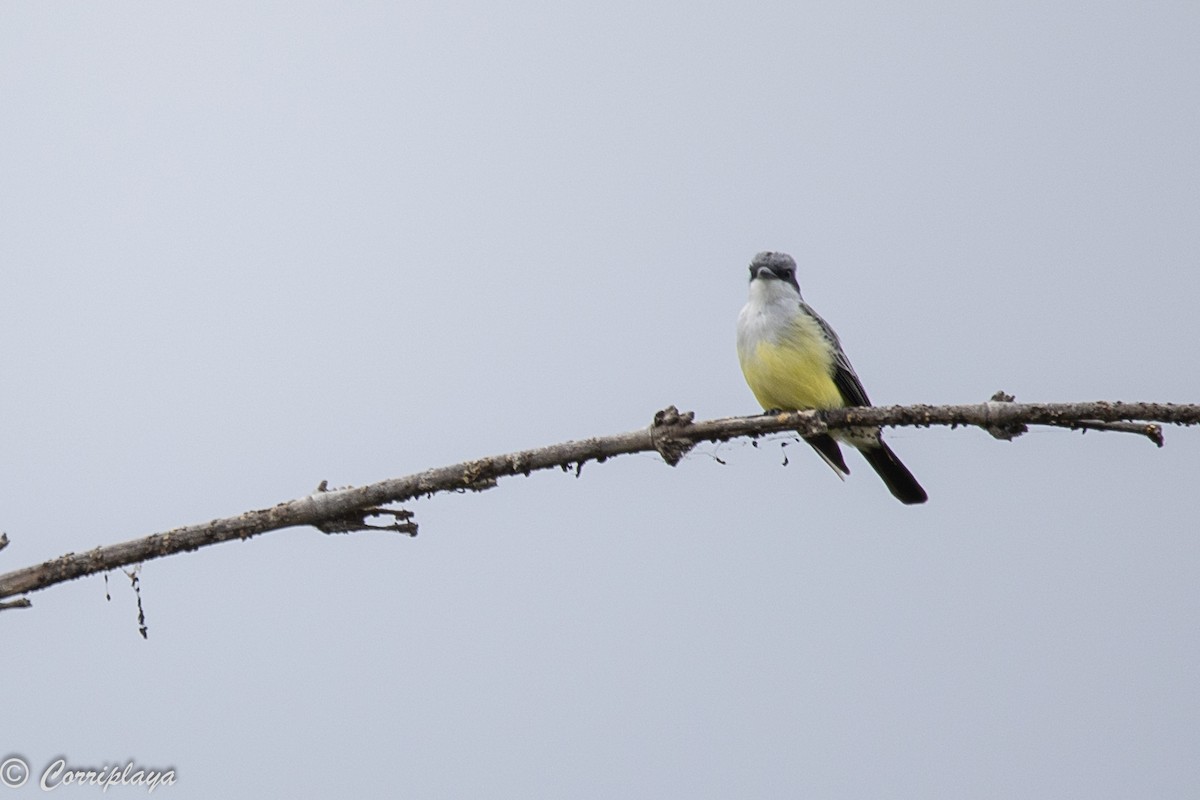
<point>672,435</point>
<point>1148,429</point>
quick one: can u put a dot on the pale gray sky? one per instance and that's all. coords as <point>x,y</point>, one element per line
<point>247,247</point>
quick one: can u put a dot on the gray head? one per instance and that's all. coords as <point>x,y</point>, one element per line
<point>770,266</point>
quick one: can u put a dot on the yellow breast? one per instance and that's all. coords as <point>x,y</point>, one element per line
<point>793,372</point>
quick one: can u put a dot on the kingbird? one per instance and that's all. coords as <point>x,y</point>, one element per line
<point>793,361</point>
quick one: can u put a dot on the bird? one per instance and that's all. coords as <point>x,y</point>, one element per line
<point>792,360</point>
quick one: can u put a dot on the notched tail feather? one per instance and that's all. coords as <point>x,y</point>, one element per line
<point>899,480</point>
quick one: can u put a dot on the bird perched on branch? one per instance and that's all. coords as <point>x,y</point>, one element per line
<point>793,361</point>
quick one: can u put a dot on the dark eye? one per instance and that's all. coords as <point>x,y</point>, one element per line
<point>786,274</point>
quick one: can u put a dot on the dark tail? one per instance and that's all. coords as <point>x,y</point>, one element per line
<point>829,450</point>
<point>899,480</point>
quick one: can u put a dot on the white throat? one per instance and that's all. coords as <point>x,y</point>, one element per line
<point>772,308</point>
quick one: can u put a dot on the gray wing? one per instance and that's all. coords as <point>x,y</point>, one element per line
<point>844,376</point>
